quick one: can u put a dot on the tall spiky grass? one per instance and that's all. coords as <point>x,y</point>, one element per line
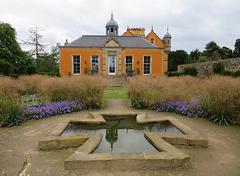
<point>86,89</point>
<point>10,109</point>
<point>8,85</point>
<point>218,95</point>
<point>153,90</point>
<point>29,85</point>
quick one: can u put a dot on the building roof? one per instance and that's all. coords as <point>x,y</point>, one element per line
<point>99,41</point>
<point>112,22</point>
<point>167,35</point>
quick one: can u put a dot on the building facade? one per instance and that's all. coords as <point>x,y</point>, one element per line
<point>112,55</point>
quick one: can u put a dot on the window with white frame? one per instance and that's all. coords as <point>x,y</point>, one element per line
<point>129,64</point>
<point>76,65</point>
<point>152,40</point>
<point>147,65</point>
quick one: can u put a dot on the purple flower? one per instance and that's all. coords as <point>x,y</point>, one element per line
<point>51,109</point>
<point>192,109</point>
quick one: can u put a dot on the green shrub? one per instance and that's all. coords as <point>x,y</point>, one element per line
<point>192,71</point>
<point>10,110</point>
<point>218,68</point>
<point>137,99</point>
<point>227,73</point>
<point>31,70</point>
<point>203,58</point>
<point>237,73</point>
<point>6,68</point>
<point>138,103</point>
<point>230,73</point>
<point>53,74</point>
<point>172,74</point>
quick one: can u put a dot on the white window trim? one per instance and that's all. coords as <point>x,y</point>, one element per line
<point>150,65</point>
<point>115,65</point>
<point>98,61</point>
<point>126,62</point>
<point>76,74</point>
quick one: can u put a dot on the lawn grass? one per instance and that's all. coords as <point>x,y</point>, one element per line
<point>115,93</point>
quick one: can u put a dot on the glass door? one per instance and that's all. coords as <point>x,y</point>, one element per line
<point>112,65</point>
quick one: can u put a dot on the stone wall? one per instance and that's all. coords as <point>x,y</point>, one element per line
<point>112,52</point>
<point>205,68</point>
<point>112,48</point>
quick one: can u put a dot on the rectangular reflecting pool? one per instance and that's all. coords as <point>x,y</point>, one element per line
<point>121,134</point>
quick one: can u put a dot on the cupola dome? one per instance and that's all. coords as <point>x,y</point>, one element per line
<point>112,27</point>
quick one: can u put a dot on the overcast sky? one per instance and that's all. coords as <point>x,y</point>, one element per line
<point>192,23</point>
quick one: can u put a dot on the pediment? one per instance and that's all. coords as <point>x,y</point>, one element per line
<point>112,43</point>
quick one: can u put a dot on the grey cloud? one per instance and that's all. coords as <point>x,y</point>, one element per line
<point>192,23</point>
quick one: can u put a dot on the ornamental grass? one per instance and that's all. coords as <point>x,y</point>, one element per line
<point>217,97</point>
<point>86,90</point>
<point>10,109</point>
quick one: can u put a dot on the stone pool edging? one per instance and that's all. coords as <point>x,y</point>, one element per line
<point>59,142</point>
<point>167,157</point>
<point>83,158</point>
<point>190,137</point>
<point>54,140</point>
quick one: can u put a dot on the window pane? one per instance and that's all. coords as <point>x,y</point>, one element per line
<point>94,64</point>
<point>129,63</point>
<point>76,64</point>
<point>147,65</point>
<point>112,64</point>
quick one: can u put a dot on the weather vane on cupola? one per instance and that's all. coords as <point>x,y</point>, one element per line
<point>112,26</point>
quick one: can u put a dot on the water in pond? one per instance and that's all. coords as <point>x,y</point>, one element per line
<point>121,134</point>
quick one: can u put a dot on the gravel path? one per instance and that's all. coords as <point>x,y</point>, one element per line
<point>222,158</point>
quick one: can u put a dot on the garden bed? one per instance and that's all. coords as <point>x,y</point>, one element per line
<point>36,97</point>
<point>216,98</point>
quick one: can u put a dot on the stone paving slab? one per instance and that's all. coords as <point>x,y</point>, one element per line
<point>53,143</point>
<point>84,158</point>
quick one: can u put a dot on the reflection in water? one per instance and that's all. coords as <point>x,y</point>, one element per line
<point>122,134</point>
<point>112,135</point>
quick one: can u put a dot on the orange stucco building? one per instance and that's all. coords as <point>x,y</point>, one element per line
<point>112,55</point>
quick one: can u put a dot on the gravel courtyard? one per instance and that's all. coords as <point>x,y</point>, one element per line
<point>221,158</point>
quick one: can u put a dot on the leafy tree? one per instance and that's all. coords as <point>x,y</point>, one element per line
<point>48,63</point>
<point>225,52</point>
<point>203,58</point>
<point>6,68</point>
<point>236,52</point>
<point>210,48</point>
<point>176,58</point>
<point>215,56</point>
<point>10,50</point>
<point>31,69</point>
<point>194,56</point>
